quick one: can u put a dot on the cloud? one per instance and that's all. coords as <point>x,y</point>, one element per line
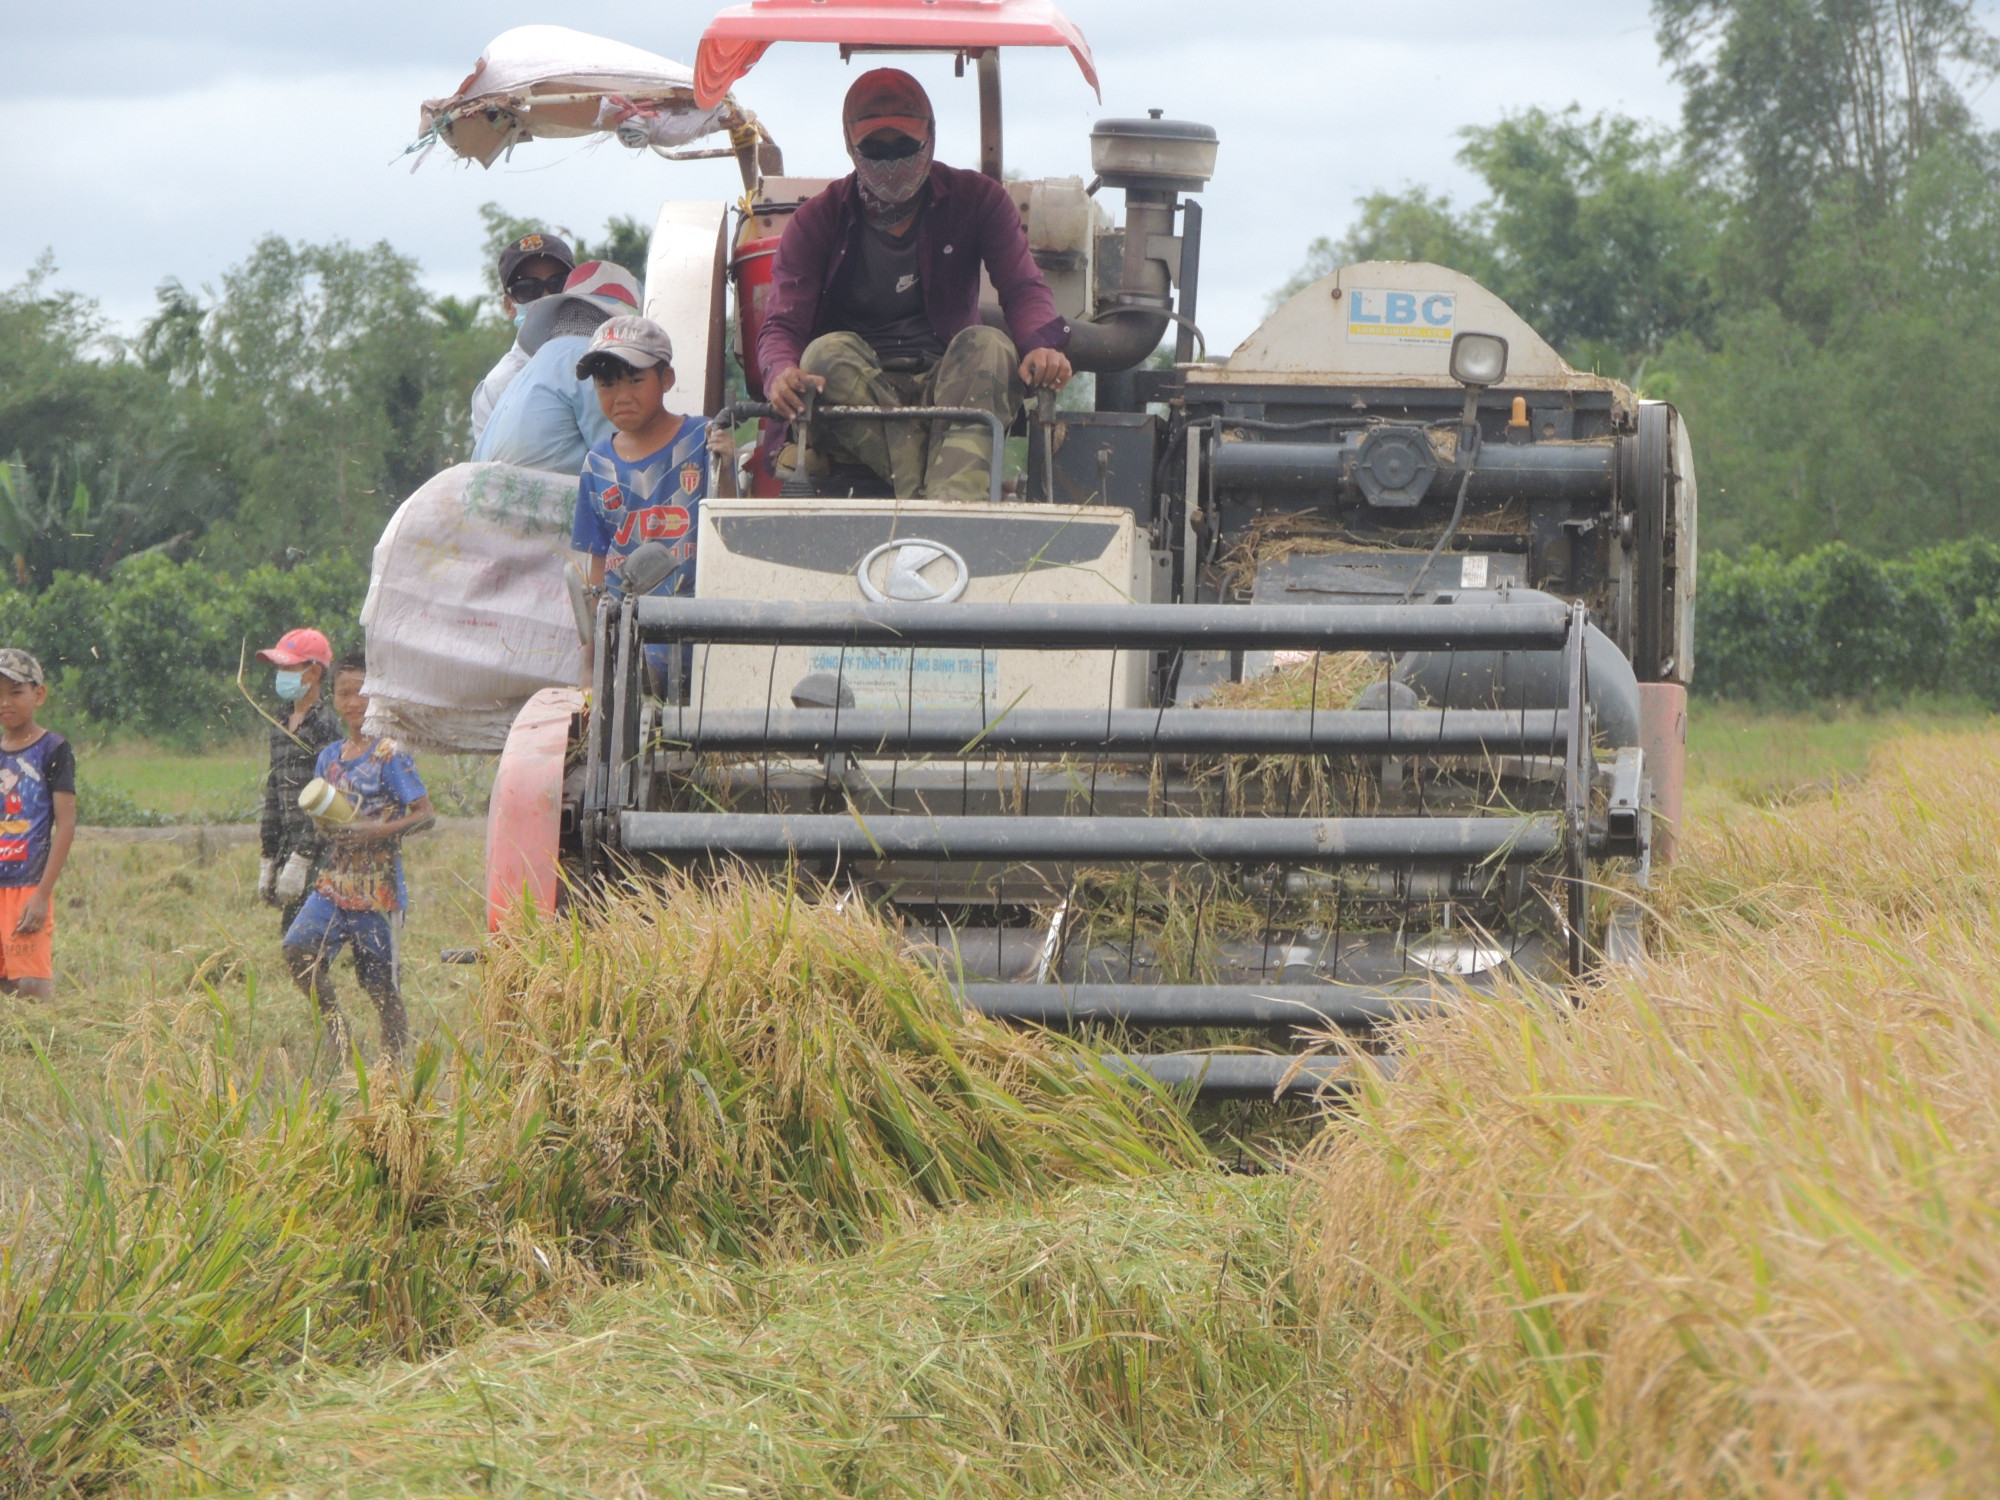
<point>142,145</point>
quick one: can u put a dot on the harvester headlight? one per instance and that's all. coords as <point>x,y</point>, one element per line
<point>1478,359</point>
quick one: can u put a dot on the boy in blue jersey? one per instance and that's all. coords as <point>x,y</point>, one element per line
<point>360,898</point>
<point>646,482</point>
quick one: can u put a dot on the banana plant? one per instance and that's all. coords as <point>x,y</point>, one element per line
<point>41,528</point>
<point>90,514</point>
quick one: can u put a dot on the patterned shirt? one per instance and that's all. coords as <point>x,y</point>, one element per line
<point>285,829</point>
<point>367,874</point>
<point>652,499</point>
<point>29,781</point>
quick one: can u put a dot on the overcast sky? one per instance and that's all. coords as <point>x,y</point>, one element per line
<point>140,141</point>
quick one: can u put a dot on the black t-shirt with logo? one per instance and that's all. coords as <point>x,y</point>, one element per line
<point>880,296</point>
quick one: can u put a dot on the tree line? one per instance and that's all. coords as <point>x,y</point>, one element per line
<point>277,416</point>
<point>1807,263</point>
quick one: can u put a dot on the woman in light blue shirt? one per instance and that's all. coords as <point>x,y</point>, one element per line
<point>548,418</point>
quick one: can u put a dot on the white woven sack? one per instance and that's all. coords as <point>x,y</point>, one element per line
<point>468,614</point>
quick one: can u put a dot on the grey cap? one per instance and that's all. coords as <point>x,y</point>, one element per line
<point>21,667</point>
<point>639,342</point>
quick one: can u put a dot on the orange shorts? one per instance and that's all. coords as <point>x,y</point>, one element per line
<point>30,956</point>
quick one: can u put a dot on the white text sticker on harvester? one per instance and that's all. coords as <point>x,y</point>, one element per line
<point>920,677</point>
<point>1385,317</point>
<point>1472,572</point>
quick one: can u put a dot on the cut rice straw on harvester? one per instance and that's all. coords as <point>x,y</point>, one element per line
<point>1277,535</point>
<point>1727,1230</point>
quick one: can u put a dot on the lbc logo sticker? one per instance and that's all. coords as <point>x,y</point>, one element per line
<point>1384,317</point>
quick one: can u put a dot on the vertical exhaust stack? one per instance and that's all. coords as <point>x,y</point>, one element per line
<point>1153,161</point>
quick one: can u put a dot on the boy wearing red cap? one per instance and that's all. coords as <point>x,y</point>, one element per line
<point>291,845</point>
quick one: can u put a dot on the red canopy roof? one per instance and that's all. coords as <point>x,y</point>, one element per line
<point>737,37</point>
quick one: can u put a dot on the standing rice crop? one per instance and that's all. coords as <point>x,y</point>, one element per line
<point>1727,1229</point>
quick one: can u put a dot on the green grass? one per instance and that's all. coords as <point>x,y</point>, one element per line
<point>217,786</point>
<point>1739,755</point>
<point>226,785</point>
<point>138,921</point>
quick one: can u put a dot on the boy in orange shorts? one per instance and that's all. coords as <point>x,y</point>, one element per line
<point>37,824</point>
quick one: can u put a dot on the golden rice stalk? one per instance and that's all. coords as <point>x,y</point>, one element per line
<point>760,1070</point>
<point>1729,1229</point>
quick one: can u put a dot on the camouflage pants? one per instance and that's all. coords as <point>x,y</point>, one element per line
<point>935,460</point>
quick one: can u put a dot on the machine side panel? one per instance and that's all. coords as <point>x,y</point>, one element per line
<point>524,815</point>
<point>684,295</point>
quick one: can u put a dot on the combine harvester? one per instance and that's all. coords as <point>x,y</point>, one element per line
<point>1082,740</point>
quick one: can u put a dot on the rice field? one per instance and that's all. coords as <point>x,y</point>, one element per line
<point>704,1194</point>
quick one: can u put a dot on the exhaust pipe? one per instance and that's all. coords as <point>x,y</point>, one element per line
<point>1122,338</point>
<point>1154,161</point>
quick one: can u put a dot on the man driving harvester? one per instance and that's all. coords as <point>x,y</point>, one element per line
<point>875,301</point>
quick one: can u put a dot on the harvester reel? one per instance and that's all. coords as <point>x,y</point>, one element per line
<point>985,828</point>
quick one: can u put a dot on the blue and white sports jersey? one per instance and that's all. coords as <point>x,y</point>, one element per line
<point>653,499</point>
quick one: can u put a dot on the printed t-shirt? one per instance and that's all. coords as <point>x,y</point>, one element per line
<point>29,780</point>
<point>547,418</point>
<point>652,499</point>
<point>367,874</point>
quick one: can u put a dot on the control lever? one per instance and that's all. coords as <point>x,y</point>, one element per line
<point>1045,418</point>
<point>799,482</point>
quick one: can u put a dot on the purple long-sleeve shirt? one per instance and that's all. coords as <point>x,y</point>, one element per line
<point>968,219</point>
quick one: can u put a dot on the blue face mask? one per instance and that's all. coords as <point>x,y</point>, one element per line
<point>291,685</point>
<point>520,317</point>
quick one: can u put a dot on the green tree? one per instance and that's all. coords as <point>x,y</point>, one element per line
<point>1592,230</point>
<point>1601,238</point>
<point>1800,105</point>
<point>625,241</point>
<point>341,386</point>
<point>100,457</point>
<point>1870,425</point>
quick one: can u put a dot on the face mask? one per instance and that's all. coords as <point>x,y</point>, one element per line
<point>889,188</point>
<point>520,317</point>
<point>291,685</point>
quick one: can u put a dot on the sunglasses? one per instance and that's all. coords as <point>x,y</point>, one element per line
<point>889,145</point>
<point>526,289</point>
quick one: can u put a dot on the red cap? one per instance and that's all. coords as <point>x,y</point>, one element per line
<point>886,99</point>
<point>297,647</point>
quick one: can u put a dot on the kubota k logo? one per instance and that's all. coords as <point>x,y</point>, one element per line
<point>914,572</point>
